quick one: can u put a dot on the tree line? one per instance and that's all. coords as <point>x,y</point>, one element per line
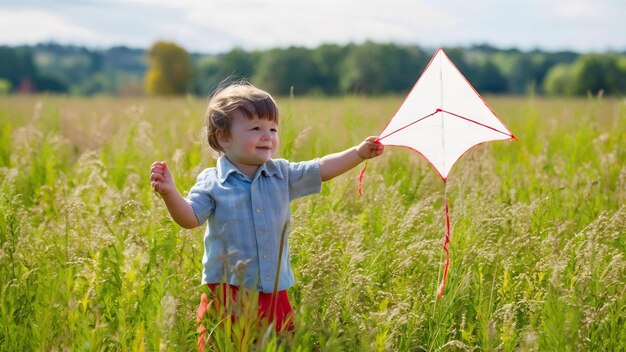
<point>329,69</point>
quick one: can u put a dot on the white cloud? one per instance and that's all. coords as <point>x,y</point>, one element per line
<point>279,22</point>
<point>219,25</point>
<point>21,26</point>
<point>581,10</point>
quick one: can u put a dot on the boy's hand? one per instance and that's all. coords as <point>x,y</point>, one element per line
<point>161,179</point>
<point>369,148</point>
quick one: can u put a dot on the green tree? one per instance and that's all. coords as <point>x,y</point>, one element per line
<point>380,68</point>
<point>5,86</point>
<point>207,76</point>
<point>543,62</point>
<point>328,58</point>
<point>457,55</point>
<point>489,79</point>
<point>17,65</point>
<point>237,63</point>
<point>595,73</point>
<point>559,80</point>
<point>213,70</point>
<point>50,83</point>
<point>280,69</point>
<point>169,70</point>
<point>521,75</point>
<point>589,74</point>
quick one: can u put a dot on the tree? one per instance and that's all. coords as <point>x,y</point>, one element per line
<point>457,55</point>
<point>237,63</point>
<point>234,65</point>
<point>280,69</point>
<point>50,83</point>
<point>169,70</point>
<point>207,77</point>
<point>380,68</point>
<point>362,70</point>
<point>490,80</point>
<point>559,80</point>
<point>521,75</point>
<point>595,73</point>
<point>328,59</point>
<point>17,65</point>
<point>5,86</point>
<point>589,74</point>
<point>97,83</point>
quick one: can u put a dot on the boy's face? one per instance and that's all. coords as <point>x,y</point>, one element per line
<point>251,141</point>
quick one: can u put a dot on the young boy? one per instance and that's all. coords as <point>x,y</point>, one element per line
<point>246,197</point>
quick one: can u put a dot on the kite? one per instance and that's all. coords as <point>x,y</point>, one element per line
<point>442,117</point>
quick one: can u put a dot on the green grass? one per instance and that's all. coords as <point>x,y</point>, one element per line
<point>90,260</point>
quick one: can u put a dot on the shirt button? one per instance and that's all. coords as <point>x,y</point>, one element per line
<point>265,256</point>
<point>258,210</point>
<point>267,277</point>
<point>262,232</point>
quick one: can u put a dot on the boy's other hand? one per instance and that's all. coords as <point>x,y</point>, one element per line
<point>369,148</point>
<point>161,179</point>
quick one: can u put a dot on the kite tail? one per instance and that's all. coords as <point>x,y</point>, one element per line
<point>445,248</point>
<point>361,178</point>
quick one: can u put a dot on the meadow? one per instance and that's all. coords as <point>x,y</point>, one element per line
<point>90,260</point>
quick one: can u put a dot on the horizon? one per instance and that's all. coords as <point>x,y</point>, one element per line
<point>469,46</point>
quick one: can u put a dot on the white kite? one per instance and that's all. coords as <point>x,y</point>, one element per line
<point>442,117</point>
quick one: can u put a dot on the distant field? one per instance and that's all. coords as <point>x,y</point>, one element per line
<point>90,260</point>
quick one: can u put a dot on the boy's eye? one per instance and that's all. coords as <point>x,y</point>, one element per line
<point>255,129</point>
<point>274,130</point>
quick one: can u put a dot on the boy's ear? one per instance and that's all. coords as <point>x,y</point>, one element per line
<point>223,138</point>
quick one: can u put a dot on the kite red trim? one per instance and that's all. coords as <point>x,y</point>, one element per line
<point>441,118</point>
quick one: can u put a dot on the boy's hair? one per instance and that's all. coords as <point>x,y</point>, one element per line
<point>244,97</point>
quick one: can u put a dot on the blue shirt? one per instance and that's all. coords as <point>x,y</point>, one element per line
<point>246,218</point>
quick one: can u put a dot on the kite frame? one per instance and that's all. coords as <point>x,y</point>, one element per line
<point>438,110</point>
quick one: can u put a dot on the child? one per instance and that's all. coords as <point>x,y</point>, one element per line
<point>246,197</point>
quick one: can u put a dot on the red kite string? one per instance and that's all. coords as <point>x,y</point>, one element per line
<point>475,109</point>
<point>447,208</point>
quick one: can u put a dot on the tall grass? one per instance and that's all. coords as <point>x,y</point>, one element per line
<point>90,260</point>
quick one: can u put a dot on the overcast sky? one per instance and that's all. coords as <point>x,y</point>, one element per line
<point>210,26</point>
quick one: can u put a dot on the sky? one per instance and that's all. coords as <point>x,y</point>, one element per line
<point>214,26</point>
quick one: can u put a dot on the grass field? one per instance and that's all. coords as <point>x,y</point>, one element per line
<point>90,260</point>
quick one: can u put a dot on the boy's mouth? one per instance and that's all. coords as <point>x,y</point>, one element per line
<point>264,148</point>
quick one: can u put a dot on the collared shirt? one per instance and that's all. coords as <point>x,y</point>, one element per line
<point>246,218</point>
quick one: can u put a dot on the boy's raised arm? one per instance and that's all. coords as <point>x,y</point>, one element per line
<point>163,183</point>
<point>180,210</point>
<point>333,165</point>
